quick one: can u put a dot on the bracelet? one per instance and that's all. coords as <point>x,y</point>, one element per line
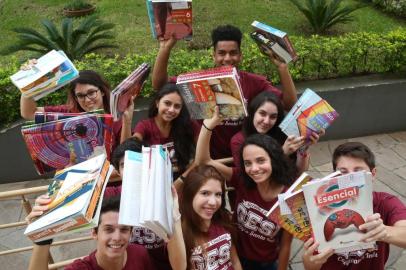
<point>206,127</point>
<point>45,242</point>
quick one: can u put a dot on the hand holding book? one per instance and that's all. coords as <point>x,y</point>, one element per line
<point>40,206</point>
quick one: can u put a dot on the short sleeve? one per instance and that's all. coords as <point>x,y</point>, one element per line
<point>142,129</point>
<point>236,178</point>
<point>391,209</point>
<point>235,145</point>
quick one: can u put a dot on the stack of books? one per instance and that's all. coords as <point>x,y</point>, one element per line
<point>51,72</point>
<point>170,18</point>
<point>203,90</point>
<point>76,194</point>
<point>130,87</point>
<point>146,198</point>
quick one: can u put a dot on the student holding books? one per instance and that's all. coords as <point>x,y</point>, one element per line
<point>112,241</point>
<point>386,226</point>
<point>208,233</point>
<point>227,51</point>
<point>265,172</point>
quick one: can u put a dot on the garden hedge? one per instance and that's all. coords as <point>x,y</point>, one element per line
<point>319,58</point>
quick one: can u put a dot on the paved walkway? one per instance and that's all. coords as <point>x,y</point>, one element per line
<point>390,151</point>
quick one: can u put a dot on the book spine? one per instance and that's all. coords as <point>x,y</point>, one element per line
<point>151,16</point>
<point>290,48</point>
<point>204,74</point>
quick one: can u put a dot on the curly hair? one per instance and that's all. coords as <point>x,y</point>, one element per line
<point>226,33</point>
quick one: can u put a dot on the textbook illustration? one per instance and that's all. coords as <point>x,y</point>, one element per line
<point>76,194</point>
<point>43,117</point>
<point>173,17</point>
<point>51,72</point>
<point>337,207</point>
<point>274,39</point>
<point>57,144</point>
<point>203,90</point>
<point>310,114</point>
<point>128,88</point>
<point>146,197</point>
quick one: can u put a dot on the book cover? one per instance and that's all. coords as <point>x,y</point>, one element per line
<point>52,71</point>
<point>277,36</point>
<point>203,90</point>
<point>173,17</point>
<point>280,52</point>
<point>130,87</point>
<point>337,207</point>
<point>43,117</point>
<point>55,145</point>
<point>310,114</point>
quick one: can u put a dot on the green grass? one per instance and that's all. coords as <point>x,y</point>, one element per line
<point>133,30</point>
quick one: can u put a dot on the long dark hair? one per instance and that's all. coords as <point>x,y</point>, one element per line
<point>275,132</point>
<point>282,166</point>
<point>191,221</point>
<point>93,78</point>
<point>181,131</point>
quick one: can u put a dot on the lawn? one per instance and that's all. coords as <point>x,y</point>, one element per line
<point>132,25</point>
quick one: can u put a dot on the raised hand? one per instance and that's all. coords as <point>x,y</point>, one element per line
<point>40,206</point>
<point>311,258</point>
<point>292,144</point>
<point>376,230</point>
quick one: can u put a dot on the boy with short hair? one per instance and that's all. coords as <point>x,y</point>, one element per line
<point>386,226</point>
<point>226,40</point>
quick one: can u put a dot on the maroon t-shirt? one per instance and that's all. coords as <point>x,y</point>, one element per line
<point>391,210</point>
<point>258,236</point>
<point>65,109</point>
<point>137,259</point>
<point>216,253</point>
<point>236,141</point>
<point>251,85</point>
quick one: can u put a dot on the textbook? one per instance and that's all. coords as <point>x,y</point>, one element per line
<point>76,200</point>
<point>57,144</point>
<point>52,71</point>
<point>310,114</point>
<point>44,117</point>
<point>170,17</point>
<point>146,197</point>
<point>130,87</point>
<point>203,90</point>
<point>337,206</point>
<point>268,36</point>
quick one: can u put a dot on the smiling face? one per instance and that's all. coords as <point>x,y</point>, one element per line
<point>89,97</point>
<point>207,200</point>
<point>257,163</point>
<point>169,106</point>
<point>112,238</point>
<point>226,53</point>
<point>265,117</point>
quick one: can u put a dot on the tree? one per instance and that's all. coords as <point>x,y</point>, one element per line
<point>323,14</point>
<point>91,35</point>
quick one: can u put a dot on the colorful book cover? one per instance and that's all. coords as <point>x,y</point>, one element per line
<point>337,207</point>
<point>52,71</point>
<point>43,117</point>
<point>277,36</point>
<point>58,144</point>
<point>263,41</point>
<point>298,209</point>
<point>310,114</point>
<point>173,17</point>
<point>203,90</point>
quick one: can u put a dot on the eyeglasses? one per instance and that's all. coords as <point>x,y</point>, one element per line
<point>92,94</point>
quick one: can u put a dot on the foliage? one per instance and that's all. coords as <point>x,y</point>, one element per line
<point>77,5</point>
<point>324,14</point>
<point>319,58</point>
<point>397,7</point>
<point>91,35</point>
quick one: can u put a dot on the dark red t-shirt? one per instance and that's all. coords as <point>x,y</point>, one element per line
<point>137,259</point>
<point>236,141</point>
<point>391,210</point>
<point>258,236</point>
<point>251,85</point>
<point>216,253</point>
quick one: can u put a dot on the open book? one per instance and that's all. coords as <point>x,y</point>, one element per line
<point>128,88</point>
<point>76,194</point>
<point>170,17</point>
<point>310,114</point>
<point>146,198</point>
<point>274,39</point>
<point>57,144</point>
<point>52,71</point>
<point>203,90</point>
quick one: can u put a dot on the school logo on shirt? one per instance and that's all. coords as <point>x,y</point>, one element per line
<point>355,257</point>
<point>252,220</point>
<point>213,255</point>
<point>146,238</point>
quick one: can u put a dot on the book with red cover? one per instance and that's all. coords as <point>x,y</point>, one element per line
<point>203,90</point>
<point>170,17</point>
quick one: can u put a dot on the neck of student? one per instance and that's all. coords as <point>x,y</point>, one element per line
<point>112,264</point>
<point>269,190</point>
<point>205,225</point>
<point>164,126</point>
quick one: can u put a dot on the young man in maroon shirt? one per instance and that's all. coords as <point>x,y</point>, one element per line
<point>386,226</point>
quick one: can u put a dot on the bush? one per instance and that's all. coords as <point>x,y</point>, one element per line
<point>319,58</point>
<point>397,7</point>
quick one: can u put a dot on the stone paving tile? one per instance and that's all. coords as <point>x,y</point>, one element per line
<point>333,144</point>
<point>389,159</point>
<point>320,154</point>
<point>399,136</point>
<point>325,168</point>
<point>395,182</point>
<point>375,142</point>
<point>401,172</point>
<point>400,149</point>
<point>382,187</point>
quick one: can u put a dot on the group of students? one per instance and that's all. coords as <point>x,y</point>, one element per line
<point>266,162</point>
